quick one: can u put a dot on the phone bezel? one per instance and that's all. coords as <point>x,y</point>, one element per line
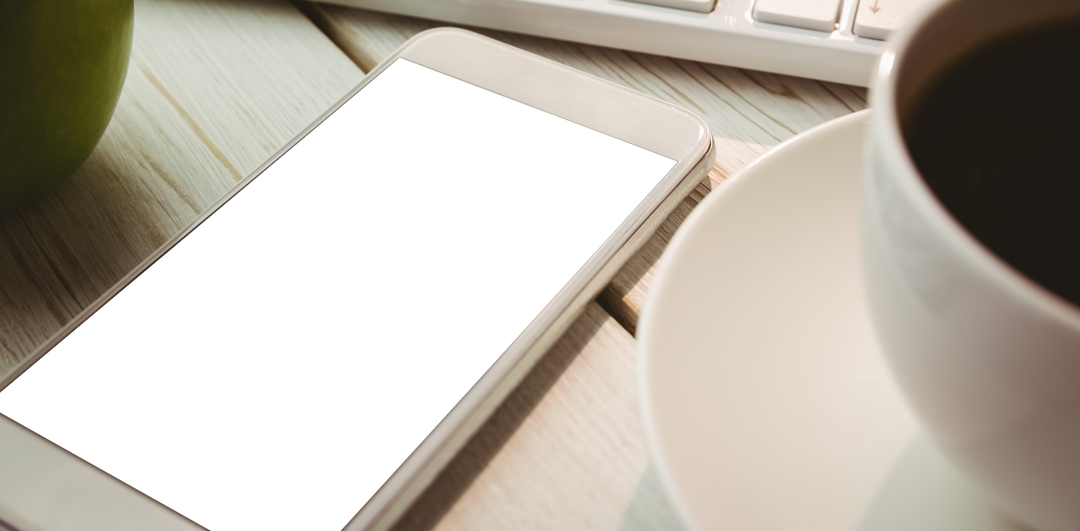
<point>535,81</point>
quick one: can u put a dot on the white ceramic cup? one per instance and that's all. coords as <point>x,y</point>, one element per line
<point>989,359</point>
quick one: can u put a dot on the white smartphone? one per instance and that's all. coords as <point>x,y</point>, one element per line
<point>312,350</point>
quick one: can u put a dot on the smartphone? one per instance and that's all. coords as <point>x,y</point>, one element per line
<point>312,350</point>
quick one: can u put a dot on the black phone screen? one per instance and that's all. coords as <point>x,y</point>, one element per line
<point>278,364</point>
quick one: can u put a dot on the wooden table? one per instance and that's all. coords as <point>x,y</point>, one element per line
<point>214,88</point>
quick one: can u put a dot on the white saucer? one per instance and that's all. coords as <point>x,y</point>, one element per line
<point>767,404</point>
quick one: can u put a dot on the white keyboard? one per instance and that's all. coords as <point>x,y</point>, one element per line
<point>832,40</point>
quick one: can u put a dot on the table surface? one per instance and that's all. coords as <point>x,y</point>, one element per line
<point>214,88</point>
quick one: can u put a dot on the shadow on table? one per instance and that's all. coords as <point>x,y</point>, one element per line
<point>924,491</point>
<point>649,508</point>
<point>622,298</point>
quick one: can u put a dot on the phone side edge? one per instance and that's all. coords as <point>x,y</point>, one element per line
<point>477,406</point>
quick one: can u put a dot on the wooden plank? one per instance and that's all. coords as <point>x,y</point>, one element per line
<point>213,89</point>
<point>748,112</point>
<point>563,452</point>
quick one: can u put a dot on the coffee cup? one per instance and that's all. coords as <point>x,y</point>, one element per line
<point>985,345</point>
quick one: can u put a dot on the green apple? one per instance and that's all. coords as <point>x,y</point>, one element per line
<point>62,65</point>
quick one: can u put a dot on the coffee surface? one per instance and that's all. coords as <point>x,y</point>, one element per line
<point>997,138</point>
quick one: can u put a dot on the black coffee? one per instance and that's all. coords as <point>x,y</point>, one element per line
<point>997,138</point>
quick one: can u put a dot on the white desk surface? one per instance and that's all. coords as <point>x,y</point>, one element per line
<point>216,87</point>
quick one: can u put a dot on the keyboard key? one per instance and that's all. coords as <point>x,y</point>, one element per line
<point>809,14</point>
<point>876,19</point>
<point>701,6</point>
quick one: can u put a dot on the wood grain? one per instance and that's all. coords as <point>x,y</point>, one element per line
<point>212,90</point>
<point>564,451</point>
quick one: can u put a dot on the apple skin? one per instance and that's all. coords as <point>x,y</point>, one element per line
<point>62,65</point>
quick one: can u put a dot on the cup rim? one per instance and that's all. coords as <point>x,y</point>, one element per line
<point>885,127</point>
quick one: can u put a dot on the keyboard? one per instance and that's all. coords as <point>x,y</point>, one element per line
<point>831,40</point>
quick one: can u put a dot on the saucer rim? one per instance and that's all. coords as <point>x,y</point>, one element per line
<point>731,185</point>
